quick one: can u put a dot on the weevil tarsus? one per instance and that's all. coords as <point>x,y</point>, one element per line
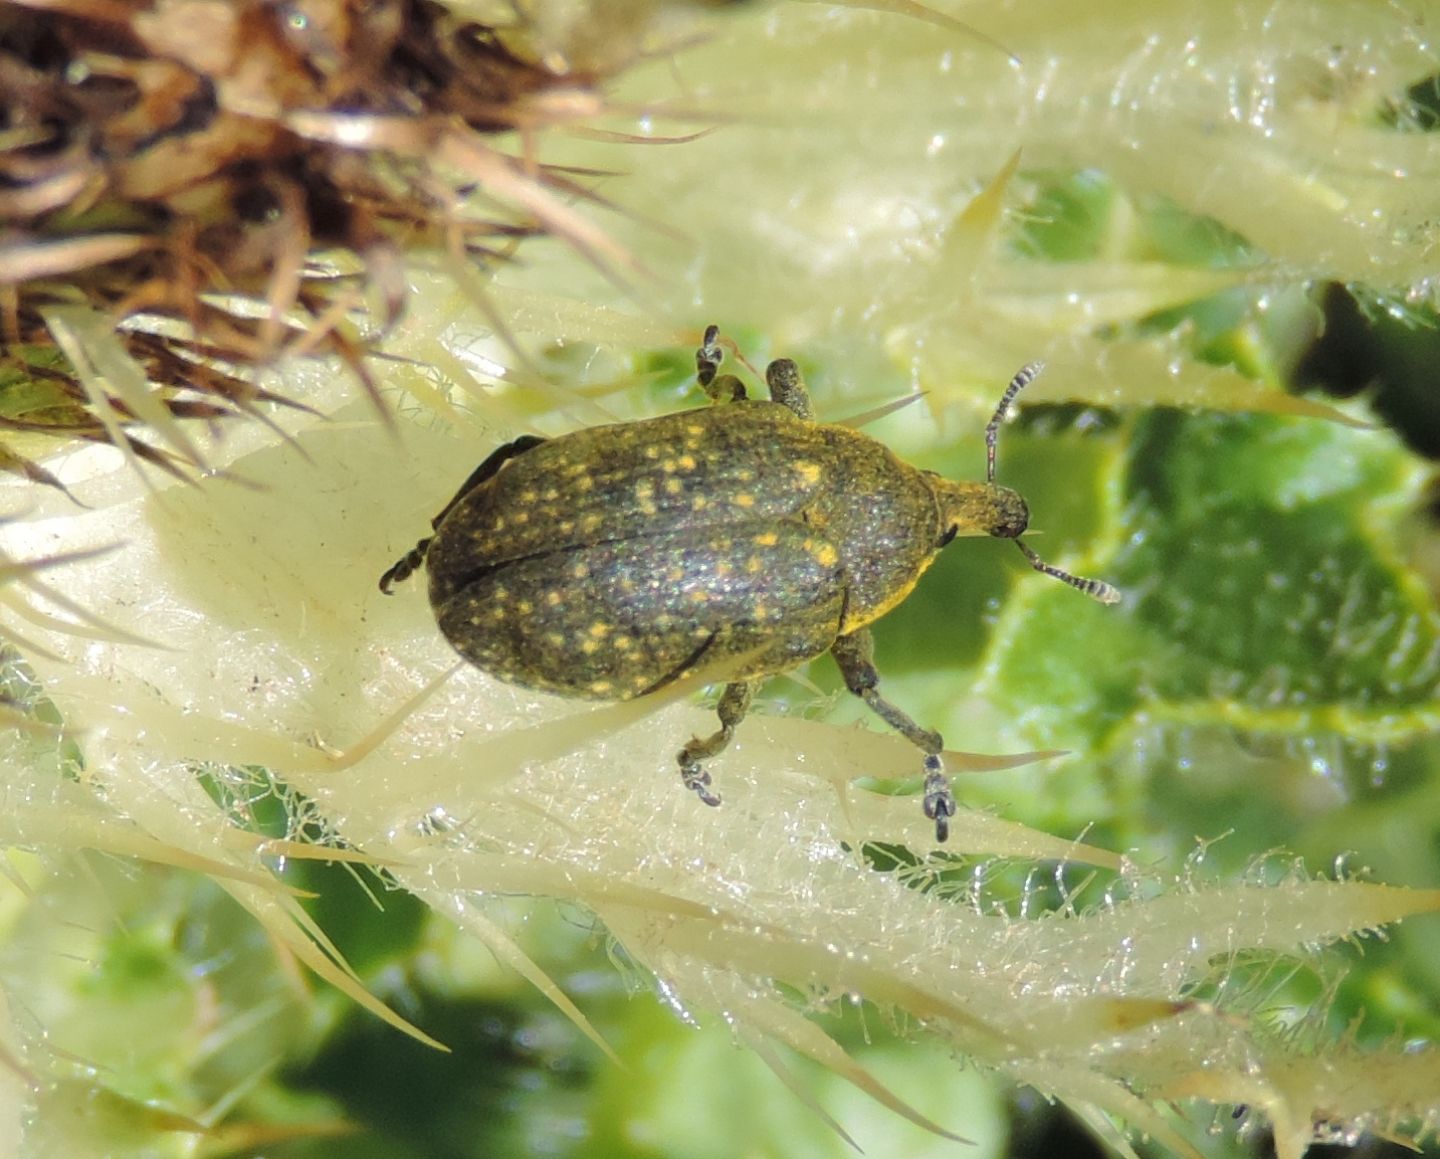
<point>709,357</point>
<point>938,802</point>
<point>406,566</point>
<point>734,703</point>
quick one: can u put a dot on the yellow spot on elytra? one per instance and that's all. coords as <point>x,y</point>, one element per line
<point>699,503</point>
<point>599,629</point>
<point>752,565</point>
<point>822,553</point>
<point>626,585</point>
<point>601,687</point>
<point>500,594</point>
<point>522,517</point>
<point>761,610</point>
<point>809,472</point>
<point>529,495</point>
<point>581,571</point>
<point>744,499</point>
<point>644,489</point>
<point>589,647</point>
<point>551,494</point>
<point>722,567</point>
<point>668,466</point>
<point>499,524</point>
<point>585,484</point>
<point>553,599</point>
<point>673,486</point>
<point>567,526</point>
<point>687,462</point>
<point>524,607</point>
<point>591,522</point>
<point>698,596</point>
<point>694,429</point>
<point>674,575</point>
<point>745,475</point>
<point>648,508</point>
<point>554,639</point>
<point>652,452</point>
<point>766,539</point>
<point>625,644</point>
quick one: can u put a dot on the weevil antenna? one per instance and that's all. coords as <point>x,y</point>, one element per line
<point>1096,589</point>
<point>1023,378</point>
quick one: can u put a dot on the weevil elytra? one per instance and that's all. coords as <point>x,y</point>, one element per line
<point>736,540</point>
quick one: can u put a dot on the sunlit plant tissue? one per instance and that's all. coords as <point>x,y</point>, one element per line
<point>231,624</point>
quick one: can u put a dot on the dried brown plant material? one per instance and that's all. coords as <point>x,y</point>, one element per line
<point>177,165</point>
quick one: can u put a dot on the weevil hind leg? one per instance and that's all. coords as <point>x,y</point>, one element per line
<point>734,703</point>
<point>487,471</point>
<point>725,388</point>
<point>855,656</point>
<point>408,564</point>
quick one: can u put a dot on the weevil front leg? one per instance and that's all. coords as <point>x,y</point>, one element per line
<point>734,703</point>
<point>410,562</point>
<point>855,655</point>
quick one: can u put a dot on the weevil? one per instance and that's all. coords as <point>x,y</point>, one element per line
<point>735,541</point>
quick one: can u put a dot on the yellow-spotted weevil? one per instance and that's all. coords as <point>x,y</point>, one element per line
<point>734,541</point>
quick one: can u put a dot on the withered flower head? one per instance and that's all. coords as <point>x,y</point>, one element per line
<point>178,165</point>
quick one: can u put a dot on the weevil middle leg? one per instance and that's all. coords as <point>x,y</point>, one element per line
<point>855,656</point>
<point>734,704</point>
<point>787,387</point>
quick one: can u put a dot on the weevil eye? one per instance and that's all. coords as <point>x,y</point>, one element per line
<point>1009,517</point>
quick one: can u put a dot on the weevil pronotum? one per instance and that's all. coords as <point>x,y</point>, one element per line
<point>737,540</point>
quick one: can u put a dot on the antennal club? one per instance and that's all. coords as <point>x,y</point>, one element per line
<point>1095,589</point>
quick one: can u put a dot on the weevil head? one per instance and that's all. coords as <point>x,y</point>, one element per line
<point>979,509</point>
<point>1008,514</point>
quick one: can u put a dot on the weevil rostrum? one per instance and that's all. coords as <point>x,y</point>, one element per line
<point>737,540</point>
